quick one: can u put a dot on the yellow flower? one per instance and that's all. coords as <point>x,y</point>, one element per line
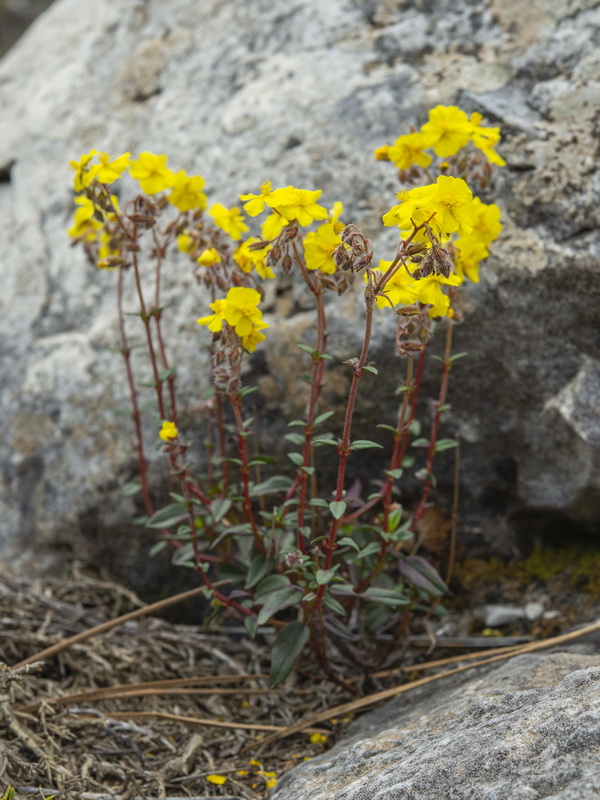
<point>270,782</point>
<point>169,431</point>
<point>253,338</point>
<point>254,204</point>
<point>209,257</point>
<point>382,153</point>
<point>415,206</point>
<point>335,212</point>
<point>152,173</point>
<point>469,252</point>
<point>214,322</point>
<point>186,193</point>
<point>299,204</point>
<point>447,130</point>
<point>241,310</point>
<point>105,252</point>
<point>229,220</point>
<point>486,139</point>
<point>85,223</point>
<point>247,259</point>
<point>84,172</point>
<point>408,150</point>
<point>485,221</point>
<point>430,293</point>
<point>108,171</point>
<point>319,247</point>
<point>273,225</point>
<point>219,780</point>
<point>317,738</point>
<point>399,289</point>
<point>185,242</point>
<point>452,204</point>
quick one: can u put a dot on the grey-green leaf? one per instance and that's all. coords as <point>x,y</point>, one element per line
<point>289,643</point>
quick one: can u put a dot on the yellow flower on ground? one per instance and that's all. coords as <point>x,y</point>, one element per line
<point>248,259</point>
<point>108,171</point>
<point>84,171</point>
<point>317,738</point>
<point>169,431</point>
<point>214,322</point>
<point>219,780</point>
<point>152,173</point>
<point>486,139</point>
<point>187,192</point>
<point>270,782</point>
<point>208,257</point>
<point>447,130</point>
<point>319,247</point>
<point>241,310</point>
<point>408,150</point>
<point>229,220</point>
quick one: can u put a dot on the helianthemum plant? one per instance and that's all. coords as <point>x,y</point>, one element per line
<point>320,568</point>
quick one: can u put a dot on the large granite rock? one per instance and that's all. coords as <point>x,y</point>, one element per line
<point>301,92</point>
<point>527,730</point>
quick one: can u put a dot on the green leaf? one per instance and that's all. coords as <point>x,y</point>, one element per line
<point>408,461</point>
<point>369,550</point>
<point>220,507</point>
<point>324,440</point>
<point>298,423</point>
<point>385,597</point>
<point>372,369</point>
<point>289,643</point>
<point>421,574</point>
<point>131,489</point>
<point>445,444</point>
<point>322,417</point>
<point>386,427</point>
<point>415,427</point>
<point>259,460</point>
<point>245,390</point>
<point>318,502</point>
<point>270,584</point>
<point>294,438</point>
<point>456,356</point>
<point>337,508</point>
<point>394,473</point>
<point>363,444</point>
<point>276,601</point>
<point>401,389</point>
<point>335,606</point>
<point>307,348</point>
<point>323,576</point>
<point>157,547</point>
<point>420,443</point>
<point>258,567</point>
<point>251,626</point>
<point>164,517</point>
<point>179,498</point>
<point>346,540</point>
<point>276,483</point>
<point>183,556</point>
<point>296,458</point>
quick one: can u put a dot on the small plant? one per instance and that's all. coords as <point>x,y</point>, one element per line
<point>317,566</point>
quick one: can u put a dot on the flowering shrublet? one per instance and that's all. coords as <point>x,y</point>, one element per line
<point>273,542</point>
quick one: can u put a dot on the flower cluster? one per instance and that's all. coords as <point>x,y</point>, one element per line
<point>240,311</point>
<point>447,131</point>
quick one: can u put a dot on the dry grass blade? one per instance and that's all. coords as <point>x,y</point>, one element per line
<point>112,623</point>
<point>363,702</point>
<point>211,723</point>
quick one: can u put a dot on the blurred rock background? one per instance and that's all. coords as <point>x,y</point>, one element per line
<point>15,18</point>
